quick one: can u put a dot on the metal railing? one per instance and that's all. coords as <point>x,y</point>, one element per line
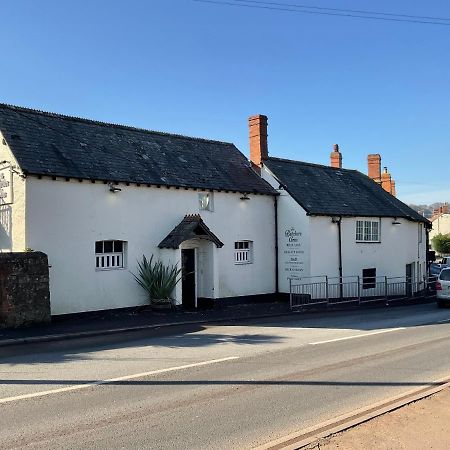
<point>354,289</point>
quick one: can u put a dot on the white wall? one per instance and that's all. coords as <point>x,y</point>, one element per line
<point>399,246</point>
<point>293,236</point>
<point>319,242</point>
<point>64,219</point>
<point>441,225</point>
<point>12,216</point>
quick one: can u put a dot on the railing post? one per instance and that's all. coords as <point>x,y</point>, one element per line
<point>359,291</point>
<point>326,289</point>
<point>290,292</point>
<point>386,290</point>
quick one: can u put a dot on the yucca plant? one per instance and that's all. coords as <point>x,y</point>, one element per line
<point>158,280</point>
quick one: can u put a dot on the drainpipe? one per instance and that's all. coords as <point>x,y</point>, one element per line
<point>275,200</point>
<point>339,222</point>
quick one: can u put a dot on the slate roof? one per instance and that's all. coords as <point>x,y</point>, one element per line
<point>324,190</point>
<point>57,145</point>
<point>192,226</point>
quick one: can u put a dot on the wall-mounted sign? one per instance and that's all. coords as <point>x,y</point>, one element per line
<point>293,253</point>
<point>6,197</point>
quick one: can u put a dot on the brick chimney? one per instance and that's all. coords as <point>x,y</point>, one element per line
<point>393,190</point>
<point>386,182</point>
<point>336,157</point>
<point>374,167</point>
<point>257,127</point>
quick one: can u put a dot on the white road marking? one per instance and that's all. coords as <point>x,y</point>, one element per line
<point>113,380</point>
<point>357,336</point>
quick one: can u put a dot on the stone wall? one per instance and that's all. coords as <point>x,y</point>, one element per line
<point>24,289</point>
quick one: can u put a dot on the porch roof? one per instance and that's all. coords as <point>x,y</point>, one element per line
<point>192,226</point>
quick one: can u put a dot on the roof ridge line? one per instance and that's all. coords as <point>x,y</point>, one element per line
<point>105,124</point>
<point>294,161</point>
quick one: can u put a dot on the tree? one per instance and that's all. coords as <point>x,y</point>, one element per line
<point>441,243</point>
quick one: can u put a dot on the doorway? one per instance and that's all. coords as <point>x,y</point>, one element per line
<point>188,283</point>
<point>409,276</point>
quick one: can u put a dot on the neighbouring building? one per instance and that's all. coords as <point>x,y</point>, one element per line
<point>95,197</point>
<point>440,221</point>
<point>337,222</point>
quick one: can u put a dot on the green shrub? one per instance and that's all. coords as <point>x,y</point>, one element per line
<point>157,279</point>
<point>441,243</point>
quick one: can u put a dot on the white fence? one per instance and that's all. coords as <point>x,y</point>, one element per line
<point>354,289</point>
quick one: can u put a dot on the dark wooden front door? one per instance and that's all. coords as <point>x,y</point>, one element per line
<point>188,281</point>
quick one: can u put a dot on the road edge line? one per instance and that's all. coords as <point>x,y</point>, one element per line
<point>312,435</point>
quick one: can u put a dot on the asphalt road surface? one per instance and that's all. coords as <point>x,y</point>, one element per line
<point>233,386</point>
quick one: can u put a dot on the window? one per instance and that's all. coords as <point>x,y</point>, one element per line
<point>367,231</point>
<point>109,255</point>
<point>420,233</point>
<point>243,252</point>
<point>369,278</point>
<point>205,200</point>
<point>445,275</point>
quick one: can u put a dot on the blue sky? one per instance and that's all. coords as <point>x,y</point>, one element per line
<point>201,69</point>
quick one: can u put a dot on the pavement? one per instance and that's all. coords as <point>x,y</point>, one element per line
<point>139,318</point>
<point>234,385</point>
<point>417,426</point>
<point>108,322</point>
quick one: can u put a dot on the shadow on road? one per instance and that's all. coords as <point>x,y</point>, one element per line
<point>86,349</point>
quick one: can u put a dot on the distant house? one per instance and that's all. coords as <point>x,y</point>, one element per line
<point>95,197</point>
<point>337,222</point>
<point>440,221</point>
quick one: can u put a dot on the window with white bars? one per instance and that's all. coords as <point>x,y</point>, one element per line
<point>109,255</point>
<point>367,231</point>
<point>243,252</point>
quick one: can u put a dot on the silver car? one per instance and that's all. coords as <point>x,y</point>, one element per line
<point>443,288</point>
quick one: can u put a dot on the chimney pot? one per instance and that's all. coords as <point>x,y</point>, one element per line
<point>336,157</point>
<point>257,127</point>
<point>386,181</point>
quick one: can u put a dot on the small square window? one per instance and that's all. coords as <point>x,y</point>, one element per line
<point>243,252</point>
<point>369,278</point>
<point>367,231</point>
<point>109,255</point>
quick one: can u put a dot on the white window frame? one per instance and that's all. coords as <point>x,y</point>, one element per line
<point>243,252</point>
<point>110,260</point>
<point>368,231</point>
<point>420,233</point>
<point>206,201</point>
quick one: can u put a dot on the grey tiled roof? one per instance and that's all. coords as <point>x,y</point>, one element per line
<point>192,226</point>
<point>324,190</point>
<point>56,145</point>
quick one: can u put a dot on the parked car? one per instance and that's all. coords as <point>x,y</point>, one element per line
<point>435,270</point>
<point>436,267</point>
<point>443,288</point>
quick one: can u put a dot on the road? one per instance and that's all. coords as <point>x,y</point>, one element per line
<point>236,385</point>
